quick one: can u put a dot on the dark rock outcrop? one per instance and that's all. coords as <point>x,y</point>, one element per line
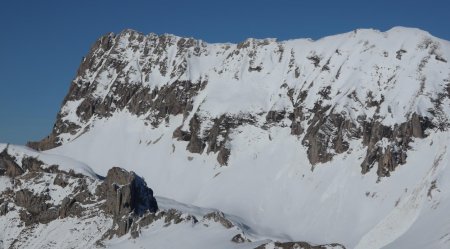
<point>239,238</point>
<point>127,199</point>
<point>296,245</point>
<point>125,192</point>
<point>214,138</point>
<point>392,152</point>
<point>219,217</point>
<point>37,210</point>
<point>3,208</point>
<point>8,165</point>
<point>326,135</point>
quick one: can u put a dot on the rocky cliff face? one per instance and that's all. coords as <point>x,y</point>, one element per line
<point>381,89</point>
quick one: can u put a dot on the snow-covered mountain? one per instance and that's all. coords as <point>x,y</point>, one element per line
<point>340,140</point>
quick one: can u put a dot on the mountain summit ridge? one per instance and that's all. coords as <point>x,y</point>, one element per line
<point>411,31</point>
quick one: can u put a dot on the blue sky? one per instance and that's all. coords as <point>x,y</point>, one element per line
<point>42,42</point>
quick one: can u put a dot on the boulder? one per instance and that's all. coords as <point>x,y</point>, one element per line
<point>125,192</point>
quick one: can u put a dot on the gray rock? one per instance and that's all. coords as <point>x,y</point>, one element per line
<point>125,192</point>
<point>8,165</point>
<point>3,208</point>
<point>399,138</point>
<point>239,238</point>
<point>196,143</point>
<point>297,245</point>
<point>66,207</point>
<point>219,217</point>
<point>275,116</point>
<point>61,180</point>
<point>36,208</point>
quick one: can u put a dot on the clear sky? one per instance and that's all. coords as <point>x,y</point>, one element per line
<point>42,42</point>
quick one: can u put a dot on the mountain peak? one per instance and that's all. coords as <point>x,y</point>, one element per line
<point>365,113</point>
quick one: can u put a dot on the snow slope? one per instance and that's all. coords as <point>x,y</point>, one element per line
<point>271,186</point>
<point>64,163</point>
<point>175,224</point>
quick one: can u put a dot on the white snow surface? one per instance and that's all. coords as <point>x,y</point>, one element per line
<point>63,163</point>
<point>270,185</point>
<point>204,234</point>
<point>60,233</point>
